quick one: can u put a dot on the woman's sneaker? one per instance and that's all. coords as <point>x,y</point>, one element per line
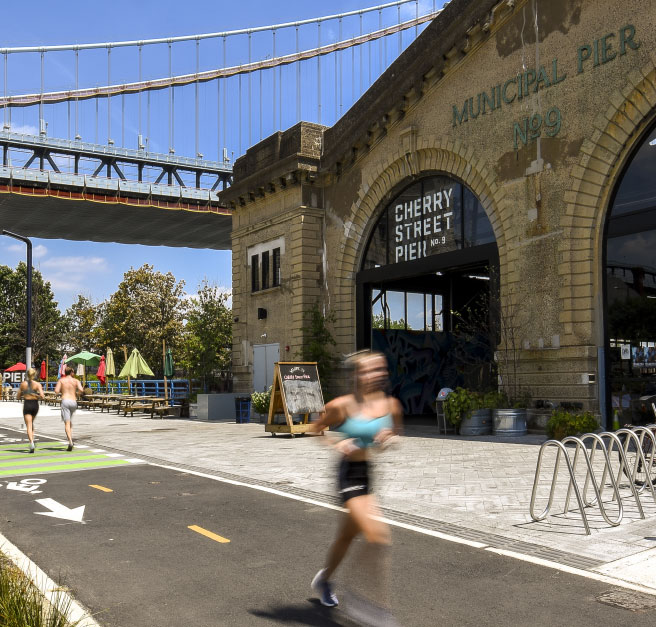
<point>32,447</point>
<point>324,589</point>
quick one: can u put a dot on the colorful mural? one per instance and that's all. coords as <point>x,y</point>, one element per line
<point>423,362</point>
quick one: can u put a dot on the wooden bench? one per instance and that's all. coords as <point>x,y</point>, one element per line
<point>160,407</point>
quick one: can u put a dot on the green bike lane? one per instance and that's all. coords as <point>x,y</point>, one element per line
<point>51,455</point>
<point>153,546</point>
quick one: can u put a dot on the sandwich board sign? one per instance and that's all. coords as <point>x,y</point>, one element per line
<point>296,392</point>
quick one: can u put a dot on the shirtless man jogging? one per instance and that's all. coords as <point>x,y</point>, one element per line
<point>69,388</point>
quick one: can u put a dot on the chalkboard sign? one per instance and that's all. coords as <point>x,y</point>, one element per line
<point>301,387</point>
<point>296,392</point>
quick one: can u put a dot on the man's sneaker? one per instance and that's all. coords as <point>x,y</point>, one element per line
<point>32,447</point>
<point>324,589</point>
<point>70,446</point>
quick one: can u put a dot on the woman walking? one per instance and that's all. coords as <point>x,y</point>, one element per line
<point>369,419</point>
<point>30,391</point>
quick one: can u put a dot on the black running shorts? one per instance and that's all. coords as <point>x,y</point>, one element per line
<point>353,479</point>
<point>31,407</point>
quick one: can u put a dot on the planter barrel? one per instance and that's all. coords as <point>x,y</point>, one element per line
<point>479,423</point>
<point>509,422</point>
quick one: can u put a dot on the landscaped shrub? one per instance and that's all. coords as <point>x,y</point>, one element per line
<point>261,400</point>
<point>564,423</point>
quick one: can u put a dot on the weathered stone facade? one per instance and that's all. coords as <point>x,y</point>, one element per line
<point>540,133</point>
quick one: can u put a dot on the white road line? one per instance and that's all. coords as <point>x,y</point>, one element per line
<point>46,586</point>
<point>613,581</point>
<point>98,450</point>
<point>436,534</point>
<point>114,455</point>
<point>135,460</point>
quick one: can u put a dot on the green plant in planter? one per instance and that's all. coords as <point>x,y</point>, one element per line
<point>460,403</point>
<point>564,423</point>
<point>261,400</point>
<point>495,399</point>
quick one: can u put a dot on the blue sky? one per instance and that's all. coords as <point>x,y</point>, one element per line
<point>95,269</point>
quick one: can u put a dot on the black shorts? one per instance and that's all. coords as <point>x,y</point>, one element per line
<point>31,407</point>
<point>353,479</point>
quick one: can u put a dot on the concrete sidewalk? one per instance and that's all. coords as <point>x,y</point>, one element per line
<point>474,488</point>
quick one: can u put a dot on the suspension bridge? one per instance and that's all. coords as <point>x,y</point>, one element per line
<point>155,142</point>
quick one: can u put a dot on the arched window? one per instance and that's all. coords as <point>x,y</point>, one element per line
<point>631,289</point>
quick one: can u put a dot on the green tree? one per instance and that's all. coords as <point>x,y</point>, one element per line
<point>81,326</point>
<point>47,321</point>
<point>146,308</point>
<point>318,340</point>
<point>207,345</point>
<point>378,322</point>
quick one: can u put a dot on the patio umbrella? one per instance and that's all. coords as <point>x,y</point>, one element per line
<point>84,358</point>
<point>110,369</point>
<point>16,367</point>
<point>101,371</point>
<point>135,366</point>
<point>43,372</point>
<point>168,369</point>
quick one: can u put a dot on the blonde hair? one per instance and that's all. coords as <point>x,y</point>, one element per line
<point>31,374</point>
<point>355,360</point>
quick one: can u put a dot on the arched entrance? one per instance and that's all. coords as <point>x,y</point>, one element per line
<point>428,275</point>
<point>630,263</point>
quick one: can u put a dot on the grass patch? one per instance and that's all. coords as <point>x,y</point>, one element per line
<point>21,603</point>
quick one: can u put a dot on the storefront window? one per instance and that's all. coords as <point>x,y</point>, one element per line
<point>631,290</point>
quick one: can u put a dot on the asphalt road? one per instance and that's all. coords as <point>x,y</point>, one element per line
<point>135,562</point>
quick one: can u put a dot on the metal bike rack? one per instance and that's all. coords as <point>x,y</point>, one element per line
<point>561,450</point>
<point>648,465</point>
<point>598,488</point>
<point>640,456</point>
<point>634,435</point>
<point>615,441</point>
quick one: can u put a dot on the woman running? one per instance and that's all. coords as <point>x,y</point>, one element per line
<point>30,391</point>
<point>367,419</point>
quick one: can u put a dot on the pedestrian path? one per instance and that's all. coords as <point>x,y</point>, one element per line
<point>51,456</point>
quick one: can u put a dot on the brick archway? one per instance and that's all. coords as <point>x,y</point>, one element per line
<point>603,157</point>
<point>401,168</point>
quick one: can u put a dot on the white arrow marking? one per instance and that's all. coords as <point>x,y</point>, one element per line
<point>61,511</point>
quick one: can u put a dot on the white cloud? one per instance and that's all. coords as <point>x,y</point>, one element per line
<point>37,252</point>
<point>75,264</point>
<point>72,274</point>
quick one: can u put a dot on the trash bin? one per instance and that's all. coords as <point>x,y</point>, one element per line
<point>242,409</point>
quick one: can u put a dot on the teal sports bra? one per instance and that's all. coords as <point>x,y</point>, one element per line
<point>364,430</point>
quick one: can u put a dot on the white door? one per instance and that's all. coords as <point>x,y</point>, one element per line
<point>264,357</point>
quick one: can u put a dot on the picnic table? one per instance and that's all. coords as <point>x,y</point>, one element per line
<point>146,404</point>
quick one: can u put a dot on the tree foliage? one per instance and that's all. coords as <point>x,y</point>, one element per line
<point>146,308</point>
<point>81,326</point>
<point>47,321</point>
<point>378,322</point>
<point>318,340</point>
<point>207,344</point>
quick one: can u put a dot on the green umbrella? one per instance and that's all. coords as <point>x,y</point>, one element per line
<point>135,365</point>
<point>110,368</point>
<point>168,364</point>
<point>168,369</point>
<point>85,357</point>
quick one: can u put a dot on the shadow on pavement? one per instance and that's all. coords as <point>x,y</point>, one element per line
<point>301,614</point>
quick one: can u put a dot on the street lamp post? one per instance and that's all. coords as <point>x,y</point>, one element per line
<point>28,348</point>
